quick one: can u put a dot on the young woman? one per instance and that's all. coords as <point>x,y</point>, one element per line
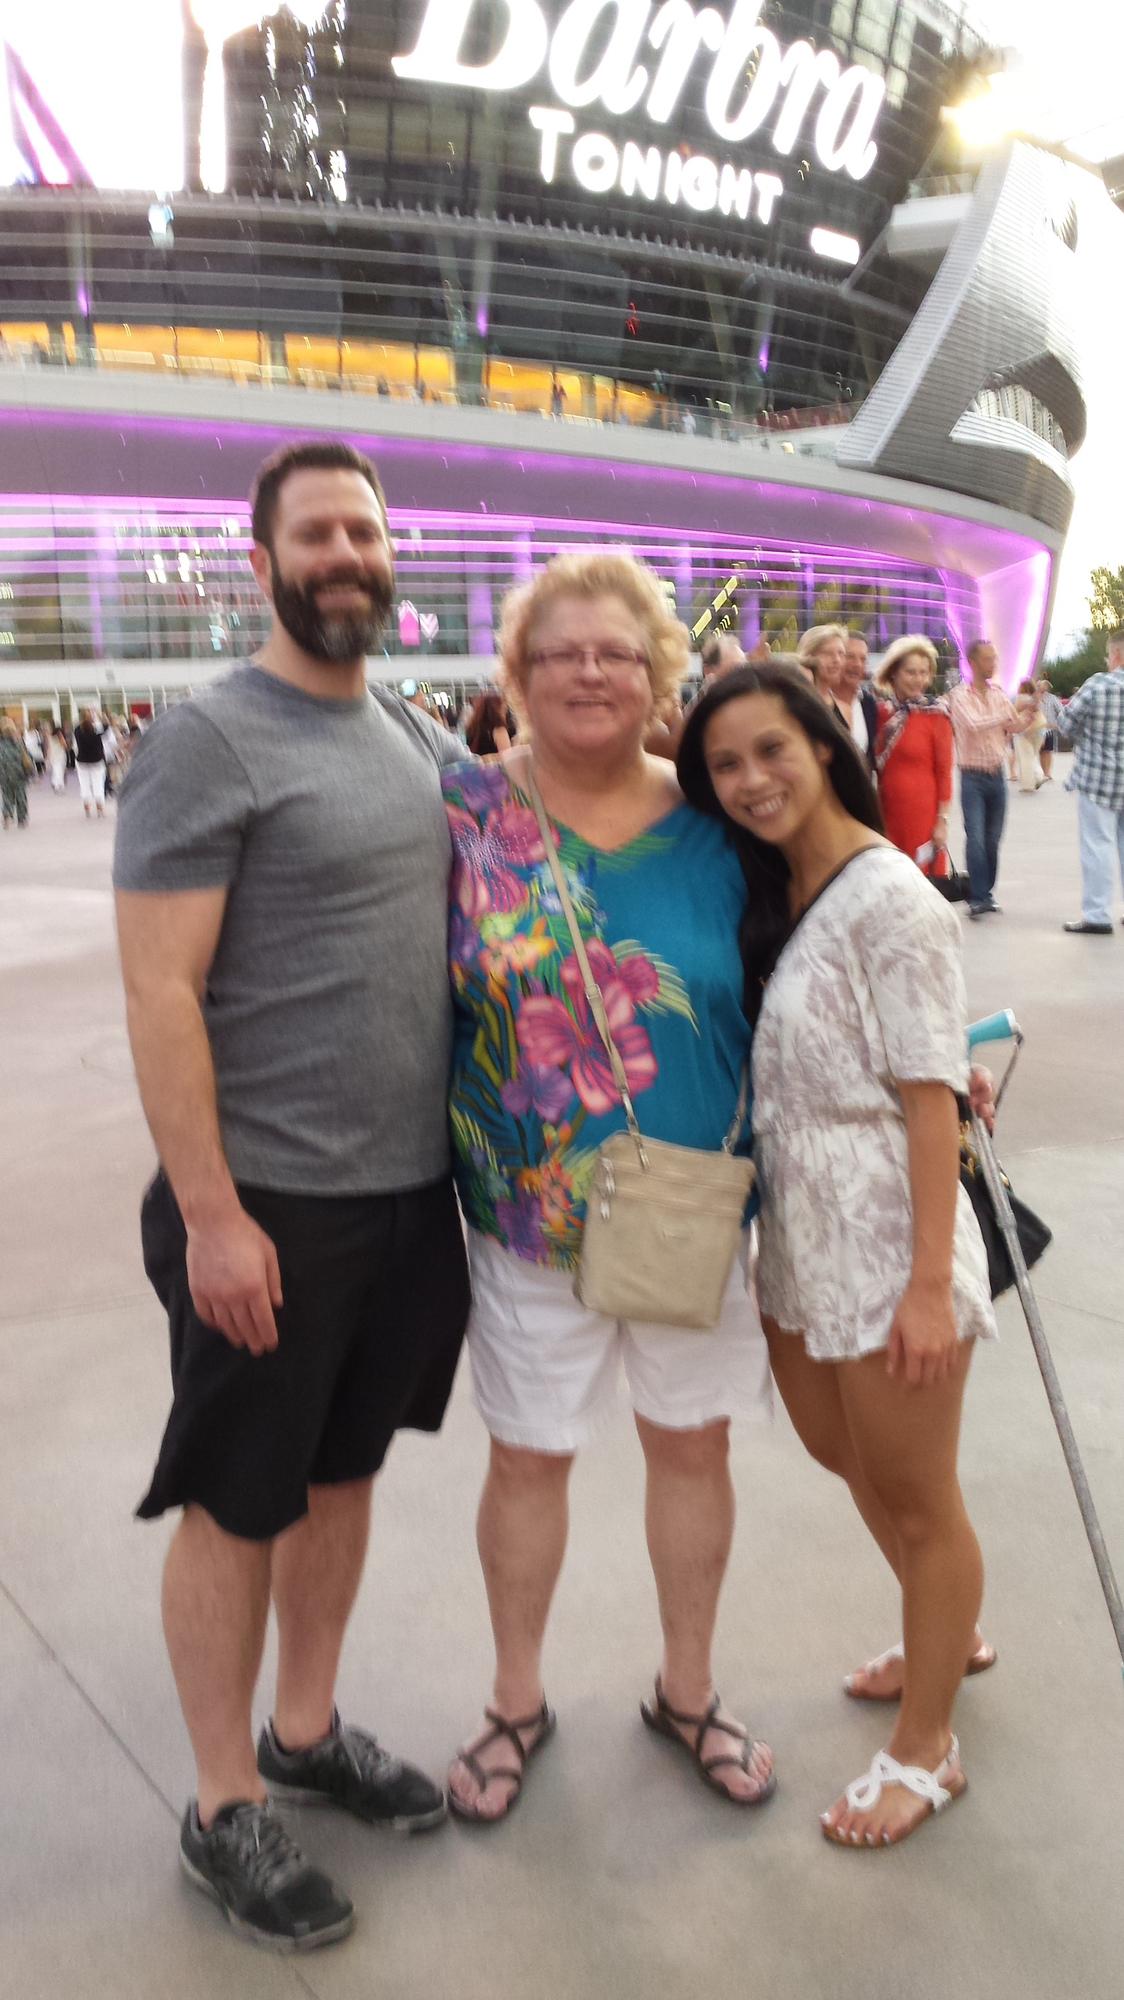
<point>1052,712</point>
<point>57,759</point>
<point>1028,708</point>
<point>872,1276</point>
<point>491,725</point>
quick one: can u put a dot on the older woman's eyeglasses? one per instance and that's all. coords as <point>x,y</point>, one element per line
<point>611,659</point>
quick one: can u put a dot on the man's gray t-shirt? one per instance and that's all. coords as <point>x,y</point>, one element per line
<point>327,1005</point>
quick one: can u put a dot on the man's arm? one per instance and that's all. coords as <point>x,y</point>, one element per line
<point>969,718</point>
<point>1077,713</point>
<point>167,943</point>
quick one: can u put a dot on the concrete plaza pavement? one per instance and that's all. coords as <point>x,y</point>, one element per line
<point>619,1874</point>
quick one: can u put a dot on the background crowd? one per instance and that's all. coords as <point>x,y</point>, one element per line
<point>96,748</point>
<point>911,737</point>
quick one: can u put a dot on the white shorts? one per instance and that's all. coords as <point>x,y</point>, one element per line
<point>545,1368</point>
<point>91,783</point>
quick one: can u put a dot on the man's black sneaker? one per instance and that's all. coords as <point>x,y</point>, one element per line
<point>261,1881</point>
<point>348,1768</point>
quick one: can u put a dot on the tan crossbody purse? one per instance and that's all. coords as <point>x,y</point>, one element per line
<point>663,1223</point>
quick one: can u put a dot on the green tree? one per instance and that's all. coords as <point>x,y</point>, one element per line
<point>1106,604</point>
<point>1072,670</point>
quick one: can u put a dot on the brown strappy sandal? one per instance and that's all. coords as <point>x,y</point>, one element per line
<point>662,1718</point>
<point>545,1721</point>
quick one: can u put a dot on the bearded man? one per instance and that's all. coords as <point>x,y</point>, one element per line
<point>281,872</point>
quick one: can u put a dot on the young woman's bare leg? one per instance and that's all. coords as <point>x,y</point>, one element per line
<point>811,1394</point>
<point>906,1441</point>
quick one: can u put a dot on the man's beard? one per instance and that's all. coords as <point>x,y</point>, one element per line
<point>333,640</point>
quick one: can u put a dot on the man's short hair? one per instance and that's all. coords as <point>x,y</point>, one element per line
<point>1116,639</point>
<point>314,455</point>
<point>718,644</point>
<point>978,646</point>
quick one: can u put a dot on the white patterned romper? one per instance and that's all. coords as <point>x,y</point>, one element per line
<point>868,989</point>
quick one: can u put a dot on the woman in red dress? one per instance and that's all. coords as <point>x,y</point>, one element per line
<point>914,755</point>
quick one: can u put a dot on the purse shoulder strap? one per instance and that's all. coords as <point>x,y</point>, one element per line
<point>593,992</point>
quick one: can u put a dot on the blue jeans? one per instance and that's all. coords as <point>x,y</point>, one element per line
<point>983,802</point>
<point>1102,851</point>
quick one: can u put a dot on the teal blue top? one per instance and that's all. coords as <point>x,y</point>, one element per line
<point>532,1090</point>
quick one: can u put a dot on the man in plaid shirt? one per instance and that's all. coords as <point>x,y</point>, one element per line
<point>1095,721</point>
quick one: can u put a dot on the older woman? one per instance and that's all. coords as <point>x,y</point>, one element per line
<point>823,653</point>
<point>914,755</point>
<point>589,650</point>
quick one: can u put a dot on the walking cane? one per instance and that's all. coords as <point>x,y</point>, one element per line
<point>1003,1027</point>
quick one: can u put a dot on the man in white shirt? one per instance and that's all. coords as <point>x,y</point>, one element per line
<point>854,700</point>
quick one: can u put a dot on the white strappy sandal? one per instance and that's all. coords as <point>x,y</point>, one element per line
<point>874,1666</point>
<point>938,1789</point>
<point>980,1661</point>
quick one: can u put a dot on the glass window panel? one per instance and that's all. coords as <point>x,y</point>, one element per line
<point>874,24</point>
<point>902,51</point>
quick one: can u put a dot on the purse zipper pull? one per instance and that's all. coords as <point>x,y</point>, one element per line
<point>608,1188</point>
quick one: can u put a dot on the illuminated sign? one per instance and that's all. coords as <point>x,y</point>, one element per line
<point>102,105</point>
<point>840,249</point>
<point>757,88</point>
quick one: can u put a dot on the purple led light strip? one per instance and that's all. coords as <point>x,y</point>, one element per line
<point>989,542</point>
<point>758,550</point>
<point>680,540</point>
<point>30,549</point>
<point>718,483</point>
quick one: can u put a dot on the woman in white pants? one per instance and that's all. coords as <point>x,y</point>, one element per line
<point>1028,743</point>
<point>56,760</point>
<point>91,786</point>
<point>89,752</point>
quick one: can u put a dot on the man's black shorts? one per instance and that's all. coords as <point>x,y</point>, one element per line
<point>376,1297</point>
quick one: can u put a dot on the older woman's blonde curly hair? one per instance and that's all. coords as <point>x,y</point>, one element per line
<point>810,642</point>
<point>596,573</point>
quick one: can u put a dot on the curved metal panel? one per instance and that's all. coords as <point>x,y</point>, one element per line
<point>1003,313</point>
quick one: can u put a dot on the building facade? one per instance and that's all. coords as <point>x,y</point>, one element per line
<point>692,280</point>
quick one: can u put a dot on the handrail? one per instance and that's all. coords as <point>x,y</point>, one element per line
<point>790,428</point>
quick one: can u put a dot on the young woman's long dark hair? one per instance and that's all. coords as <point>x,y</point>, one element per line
<point>489,712</point>
<point>767,919</point>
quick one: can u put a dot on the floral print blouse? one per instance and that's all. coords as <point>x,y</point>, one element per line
<point>532,1091</point>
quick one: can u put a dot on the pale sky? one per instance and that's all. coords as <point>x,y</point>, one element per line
<point>1074,64</point>
<point>1069,90</point>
